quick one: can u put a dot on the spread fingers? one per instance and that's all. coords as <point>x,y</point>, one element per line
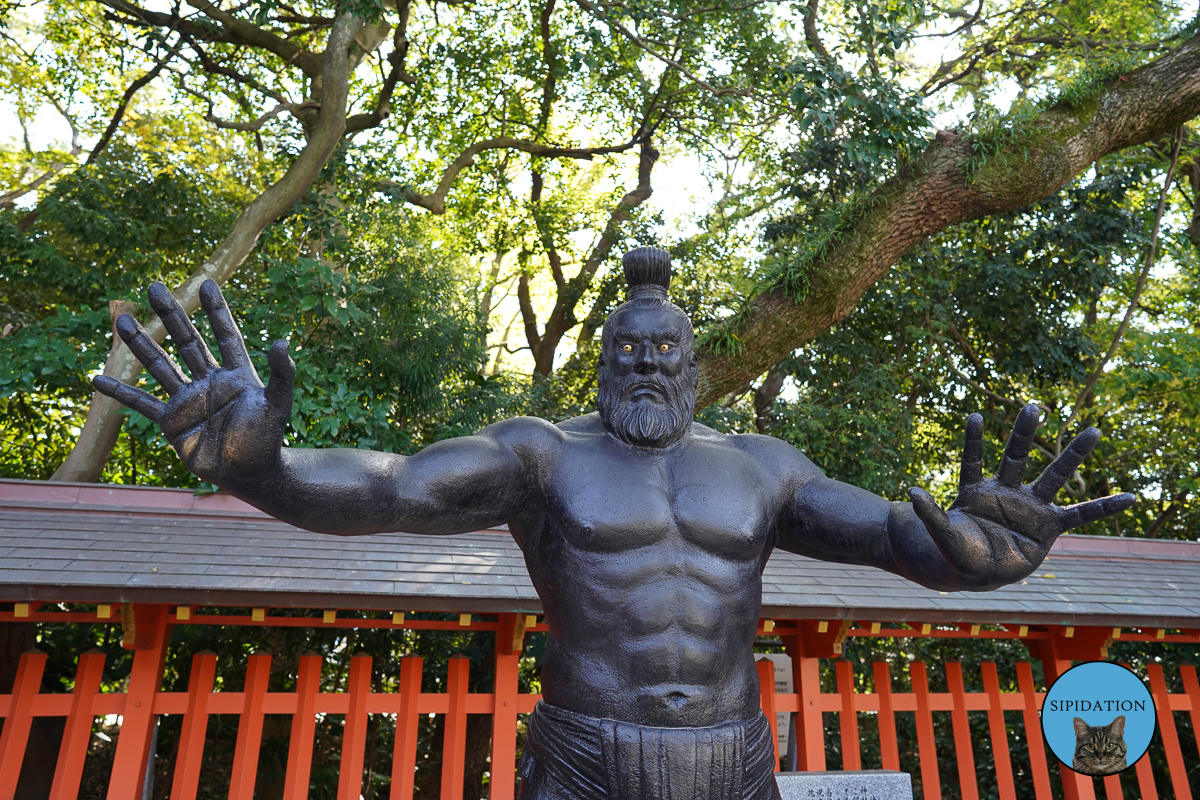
<point>145,404</point>
<point>153,357</point>
<point>229,338</point>
<point>192,348</point>
<point>1016,452</point>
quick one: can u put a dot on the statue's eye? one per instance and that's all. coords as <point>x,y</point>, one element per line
<point>628,348</point>
<point>664,347</point>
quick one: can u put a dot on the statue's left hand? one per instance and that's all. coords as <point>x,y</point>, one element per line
<point>998,529</point>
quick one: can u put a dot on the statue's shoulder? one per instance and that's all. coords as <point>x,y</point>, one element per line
<point>585,424</point>
<point>779,456</point>
<point>525,433</point>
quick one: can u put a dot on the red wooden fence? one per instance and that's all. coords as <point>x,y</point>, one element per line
<point>143,702</point>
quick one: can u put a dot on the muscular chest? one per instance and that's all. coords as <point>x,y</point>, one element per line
<point>706,498</point>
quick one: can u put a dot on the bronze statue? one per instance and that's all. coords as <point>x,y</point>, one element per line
<point>644,532</point>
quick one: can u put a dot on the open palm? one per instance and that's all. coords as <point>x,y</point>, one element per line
<point>226,425</point>
<point>998,529</point>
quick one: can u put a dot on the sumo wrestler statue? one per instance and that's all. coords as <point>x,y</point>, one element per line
<point>645,533</point>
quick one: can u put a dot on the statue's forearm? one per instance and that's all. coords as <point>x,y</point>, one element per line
<point>340,491</point>
<point>835,521</point>
<point>450,487</point>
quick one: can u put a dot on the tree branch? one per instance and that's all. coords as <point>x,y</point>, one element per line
<point>974,384</point>
<point>119,114</point>
<point>213,68</point>
<point>10,198</point>
<point>236,31</point>
<point>937,192</point>
<point>436,202</point>
<point>399,73</point>
<point>810,31</point>
<point>256,124</point>
<point>718,91</point>
<point>104,418</point>
<point>242,32</point>
<point>1151,252</point>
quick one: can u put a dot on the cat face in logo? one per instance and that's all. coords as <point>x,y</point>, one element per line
<point>1099,749</point>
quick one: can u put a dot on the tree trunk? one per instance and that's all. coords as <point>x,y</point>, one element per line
<point>1038,157</point>
<point>569,293</point>
<point>104,419</point>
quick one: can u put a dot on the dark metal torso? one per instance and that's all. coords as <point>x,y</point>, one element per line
<point>649,563</point>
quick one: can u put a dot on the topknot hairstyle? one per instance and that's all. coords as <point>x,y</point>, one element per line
<point>648,272</point>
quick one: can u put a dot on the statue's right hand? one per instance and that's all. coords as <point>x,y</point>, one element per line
<point>227,427</point>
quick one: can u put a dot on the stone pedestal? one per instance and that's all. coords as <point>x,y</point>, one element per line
<point>872,784</point>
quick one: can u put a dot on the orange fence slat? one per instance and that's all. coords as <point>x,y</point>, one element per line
<point>889,743</point>
<point>810,727</point>
<point>77,733</point>
<point>766,699</point>
<point>404,759</point>
<point>15,735</point>
<point>1145,779</point>
<point>186,782</point>
<point>1112,788</point>
<point>1192,687</point>
<point>354,734</point>
<point>304,728</point>
<point>961,725</point>
<point>502,785</point>
<point>138,720</point>
<point>1005,786</point>
<point>454,743</point>
<point>848,717</point>
<point>1166,728</point>
<point>250,728</point>
<point>931,782</point>
<point>1033,732</point>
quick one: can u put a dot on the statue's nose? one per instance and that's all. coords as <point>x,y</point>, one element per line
<point>646,363</point>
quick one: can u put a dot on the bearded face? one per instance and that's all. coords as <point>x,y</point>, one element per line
<point>646,410</point>
<point>648,377</point>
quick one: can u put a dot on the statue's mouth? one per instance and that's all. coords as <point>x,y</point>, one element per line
<point>647,391</point>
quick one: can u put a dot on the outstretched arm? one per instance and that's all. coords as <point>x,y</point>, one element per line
<point>996,532</point>
<point>228,428</point>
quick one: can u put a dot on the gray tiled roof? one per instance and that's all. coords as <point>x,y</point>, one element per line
<point>89,543</point>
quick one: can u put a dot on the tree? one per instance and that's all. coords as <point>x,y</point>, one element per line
<point>881,397</point>
<point>477,85</point>
<point>525,128</point>
<point>959,178</point>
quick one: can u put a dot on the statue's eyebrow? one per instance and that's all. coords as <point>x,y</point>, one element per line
<point>658,334</point>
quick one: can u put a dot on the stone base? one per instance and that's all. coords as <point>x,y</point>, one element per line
<point>871,784</point>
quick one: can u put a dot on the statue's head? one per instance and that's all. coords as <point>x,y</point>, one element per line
<point>648,366</point>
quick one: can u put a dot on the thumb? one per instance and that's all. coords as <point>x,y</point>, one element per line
<point>928,511</point>
<point>279,383</point>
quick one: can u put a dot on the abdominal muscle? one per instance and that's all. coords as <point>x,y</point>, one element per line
<point>670,652</point>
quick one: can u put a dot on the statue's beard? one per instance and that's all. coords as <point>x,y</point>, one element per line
<point>645,422</point>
